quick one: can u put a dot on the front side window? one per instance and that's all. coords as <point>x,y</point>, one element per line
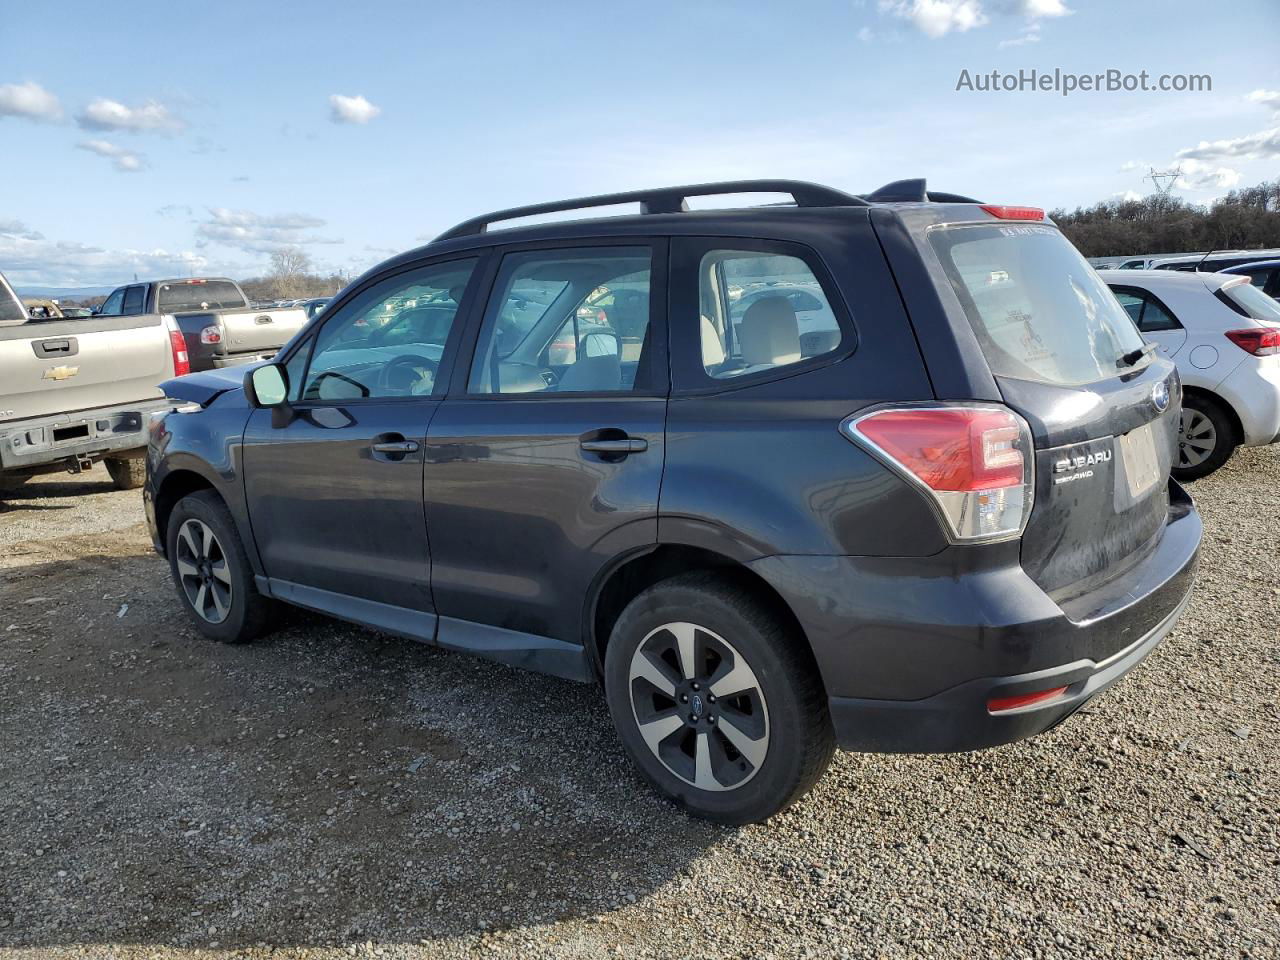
<point>111,306</point>
<point>389,339</point>
<point>1039,311</point>
<point>760,311</point>
<point>567,321</point>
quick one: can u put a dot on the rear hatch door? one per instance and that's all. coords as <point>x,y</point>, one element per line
<point>1101,405</point>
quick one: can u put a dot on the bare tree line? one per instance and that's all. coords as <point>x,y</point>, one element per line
<point>1248,218</point>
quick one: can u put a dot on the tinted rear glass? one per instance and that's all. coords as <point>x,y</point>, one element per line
<point>11,311</point>
<point>183,297</point>
<point>1039,310</point>
<point>1253,302</point>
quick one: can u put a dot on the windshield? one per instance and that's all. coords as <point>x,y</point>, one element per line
<point>184,296</point>
<point>1039,310</point>
<point>1253,302</point>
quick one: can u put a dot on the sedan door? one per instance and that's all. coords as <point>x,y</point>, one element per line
<point>335,489</point>
<point>545,462</point>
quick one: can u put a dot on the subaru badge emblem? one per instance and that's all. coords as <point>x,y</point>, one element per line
<point>1160,396</point>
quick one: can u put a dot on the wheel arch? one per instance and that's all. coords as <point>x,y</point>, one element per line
<point>635,572</point>
<point>1236,424</point>
<point>176,485</point>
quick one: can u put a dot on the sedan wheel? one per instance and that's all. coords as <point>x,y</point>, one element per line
<point>1197,438</point>
<point>202,571</point>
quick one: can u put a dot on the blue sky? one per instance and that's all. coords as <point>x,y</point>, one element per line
<point>151,138</point>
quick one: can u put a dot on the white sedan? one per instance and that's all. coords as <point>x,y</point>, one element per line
<point>1224,336</point>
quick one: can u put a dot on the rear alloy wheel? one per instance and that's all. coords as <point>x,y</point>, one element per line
<point>717,699</point>
<point>211,570</point>
<point>1206,438</point>
<point>699,706</point>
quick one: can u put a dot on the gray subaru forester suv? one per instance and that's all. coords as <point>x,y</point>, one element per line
<point>884,472</point>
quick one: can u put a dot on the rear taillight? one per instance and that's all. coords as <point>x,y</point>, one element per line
<point>211,335</point>
<point>178,347</point>
<point>974,462</point>
<point>1004,212</point>
<point>1260,341</point>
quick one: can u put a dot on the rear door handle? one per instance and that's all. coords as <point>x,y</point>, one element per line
<point>396,446</point>
<point>629,445</point>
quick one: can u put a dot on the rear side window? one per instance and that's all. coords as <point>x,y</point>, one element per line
<point>132,301</point>
<point>185,296</point>
<point>1039,311</point>
<point>1145,310</point>
<point>760,311</point>
<point>11,310</point>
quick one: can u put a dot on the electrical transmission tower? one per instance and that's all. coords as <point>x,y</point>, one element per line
<point>1163,180</point>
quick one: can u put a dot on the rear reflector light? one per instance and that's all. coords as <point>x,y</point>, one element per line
<point>1004,704</point>
<point>1260,341</point>
<point>1002,212</point>
<point>974,462</point>
<point>211,335</point>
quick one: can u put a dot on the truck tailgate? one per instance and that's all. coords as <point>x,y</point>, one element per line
<point>244,331</point>
<point>60,366</point>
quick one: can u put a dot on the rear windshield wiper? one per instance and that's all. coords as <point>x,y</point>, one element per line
<point>1133,356</point>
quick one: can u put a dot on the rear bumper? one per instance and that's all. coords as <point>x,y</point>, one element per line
<point>239,359</point>
<point>47,442</point>
<point>911,649</point>
<point>1253,390</point>
<point>957,719</point>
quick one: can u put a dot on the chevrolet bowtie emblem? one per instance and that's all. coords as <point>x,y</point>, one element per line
<point>60,373</point>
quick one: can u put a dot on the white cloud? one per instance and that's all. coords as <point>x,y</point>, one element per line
<point>16,228</point>
<point>355,109</point>
<point>1030,35</point>
<point>1198,175</point>
<point>126,161</point>
<point>1127,195</point>
<point>30,260</point>
<point>866,34</point>
<point>259,233</point>
<point>30,101</point>
<point>151,117</point>
<point>1268,98</point>
<point>1263,145</point>
<point>937,18</point>
<point>1132,165</point>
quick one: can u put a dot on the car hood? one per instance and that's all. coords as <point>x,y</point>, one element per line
<point>203,387</point>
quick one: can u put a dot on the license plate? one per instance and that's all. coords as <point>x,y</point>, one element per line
<point>1139,461</point>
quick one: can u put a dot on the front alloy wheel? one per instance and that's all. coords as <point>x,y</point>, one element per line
<point>201,564</point>
<point>699,706</point>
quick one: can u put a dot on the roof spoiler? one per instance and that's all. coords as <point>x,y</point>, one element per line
<point>914,191</point>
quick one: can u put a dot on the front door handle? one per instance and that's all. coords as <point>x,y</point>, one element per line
<point>628,445</point>
<point>396,446</point>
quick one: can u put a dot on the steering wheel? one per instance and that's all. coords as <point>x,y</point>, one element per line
<point>409,374</point>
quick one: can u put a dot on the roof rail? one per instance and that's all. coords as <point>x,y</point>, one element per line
<point>665,200</point>
<point>913,191</point>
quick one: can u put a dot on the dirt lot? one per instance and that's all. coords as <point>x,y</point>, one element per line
<point>329,791</point>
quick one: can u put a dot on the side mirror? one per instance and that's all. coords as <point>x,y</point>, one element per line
<point>267,386</point>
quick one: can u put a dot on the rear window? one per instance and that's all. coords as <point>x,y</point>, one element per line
<point>1253,302</point>
<point>184,296</point>
<point>1039,310</point>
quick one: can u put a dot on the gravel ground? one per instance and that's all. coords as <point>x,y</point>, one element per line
<point>329,791</point>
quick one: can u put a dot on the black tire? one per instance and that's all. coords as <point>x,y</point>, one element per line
<point>247,612</point>
<point>12,481</point>
<point>126,474</point>
<point>1209,419</point>
<point>792,704</point>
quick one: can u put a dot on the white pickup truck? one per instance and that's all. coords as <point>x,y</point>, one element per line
<point>221,329</point>
<point>75,391</point>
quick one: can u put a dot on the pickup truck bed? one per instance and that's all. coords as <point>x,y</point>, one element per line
<point>75,391</point>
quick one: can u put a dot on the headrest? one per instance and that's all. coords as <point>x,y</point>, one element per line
<point>769,333</point>
<point>712,348</point>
